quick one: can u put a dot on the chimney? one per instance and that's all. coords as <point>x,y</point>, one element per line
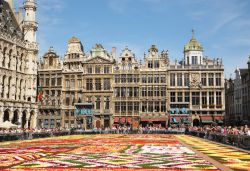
<point>114,52</point>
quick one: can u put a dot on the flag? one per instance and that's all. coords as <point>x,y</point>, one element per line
<point>40,95</point>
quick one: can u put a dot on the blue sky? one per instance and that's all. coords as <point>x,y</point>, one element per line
<point>222,26</point>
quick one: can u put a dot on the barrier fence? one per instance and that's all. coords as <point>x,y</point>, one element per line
<point>241,141</point>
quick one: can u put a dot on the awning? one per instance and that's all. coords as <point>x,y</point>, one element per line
<point>153,119</point>
<point>116,119</point>
<point>122,120</point>
<point>206,118</point>
<point>129,120</point>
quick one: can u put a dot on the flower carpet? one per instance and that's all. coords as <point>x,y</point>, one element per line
<point>228,156</point>
<point>102,152</point>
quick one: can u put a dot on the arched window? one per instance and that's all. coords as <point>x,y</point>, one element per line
<point>4,56</point>
<point>9,85</point>
<point>21,61</point>
<point>4,80</point>
<point>10,58</point>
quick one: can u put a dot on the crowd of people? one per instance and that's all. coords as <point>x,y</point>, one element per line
<point>124,129</point>
<point>224,130</point>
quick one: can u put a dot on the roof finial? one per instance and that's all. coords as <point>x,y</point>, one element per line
<point>193,33</point>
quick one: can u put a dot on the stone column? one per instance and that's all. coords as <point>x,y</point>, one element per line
<point>1,58</point>
<point>6,87</point>
<point>1,82</point>
<point>11,114</point>
<point>1,115</point>
<point>19,119</point>
<point>27,120</point>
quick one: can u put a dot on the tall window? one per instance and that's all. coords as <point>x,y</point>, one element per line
<point>194,60</point>
<point>136,92</point>
<point>106,83</point>
<point>67,83</point>
<point>73,84</point>
<point>130,91</point>
<point>117,78</point>
<point>130,107</point>
<point>51,61</point>
<point>123,107</point>
<point>156,64</point>
<point>211,98</point>
<point>179,79</point>
<point>163,78</point>
<point>47,81</point>
<point>195,98</point>
<point>150,106</point>
<point>136,106</point>
<point>123,92</point>
<point>204,99</point>
<point>123,78</point>
<point>98,84</point>
<point>150,91</point>
<point>144,78</point>
<point>156,78</point>
<point>150,64</point>
<point>187,97</point>
<point>106,101</point>
<point>179,96</point>
<point>204,79</point>
<point>117,107</point>
<point>97,102</point>
<point>144,91</point>
<point>218,79</point>
<point>172,96</point>
<point>150,78</point>
<point>211,79</point>
<point>144,106</point>
<point>163,106</point>
<point>157,106</point>
<point>106,69</point>
<point>59,81</point>
<point>172,79</point>
<point>186,79</point>
<point>97,69</point>
<point>129,78</point>
<point>53,81</point>
<point>89,84</point>
<point>89,70</point>
<point>218,99</point>
<point>156,91</point>
<point>79,83</point>
<point>163,91</point>
<point>67,99</point>
<point>117,92</point>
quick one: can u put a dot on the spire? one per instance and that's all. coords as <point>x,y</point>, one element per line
<point>193,34</point>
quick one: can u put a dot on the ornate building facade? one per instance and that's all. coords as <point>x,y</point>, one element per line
<point>128,92</point>
<point>238,97</point>
<point>18,64</point>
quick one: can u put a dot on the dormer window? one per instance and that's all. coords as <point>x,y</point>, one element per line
<point>156,64</point>
<point>129,59</point>
<point>51,61</point>
<point>123,59</point>
<point>150,64</point>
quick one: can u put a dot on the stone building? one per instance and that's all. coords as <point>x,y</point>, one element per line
<point>50,85</point>
<point>99,91</point>
<point>153,88</point>
<point>237,93</point>
<point>126,102</point>
<point>18,64</point>
<point>196,87</point>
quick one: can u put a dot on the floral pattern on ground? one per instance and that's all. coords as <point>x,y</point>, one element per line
<point>228,156</point>
<point>101,152</point>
